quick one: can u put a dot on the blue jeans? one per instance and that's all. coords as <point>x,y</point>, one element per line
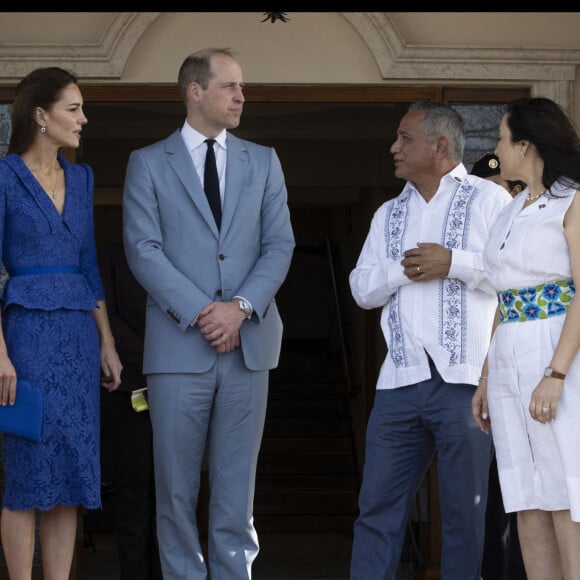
<point>407,426</point>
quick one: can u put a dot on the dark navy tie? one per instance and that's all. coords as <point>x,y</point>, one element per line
<point>211,183</point>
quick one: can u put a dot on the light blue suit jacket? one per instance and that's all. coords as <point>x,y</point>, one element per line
<point>178,255</point>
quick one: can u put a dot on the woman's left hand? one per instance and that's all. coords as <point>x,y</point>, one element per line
<point>545,398</point>
<point>111,368</point>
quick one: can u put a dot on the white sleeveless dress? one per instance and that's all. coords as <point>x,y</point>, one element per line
<point>539,465</point>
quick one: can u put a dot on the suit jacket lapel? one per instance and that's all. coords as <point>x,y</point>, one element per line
<point>236,172</point>
<point>179,159</point>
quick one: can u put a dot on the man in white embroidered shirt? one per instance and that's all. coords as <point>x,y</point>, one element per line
<point>421,263</point>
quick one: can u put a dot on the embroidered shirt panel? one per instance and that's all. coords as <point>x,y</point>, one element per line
<point>447,318</point>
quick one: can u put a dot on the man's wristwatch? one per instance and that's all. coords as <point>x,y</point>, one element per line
<point>550,373</point>
<point>245,307</point>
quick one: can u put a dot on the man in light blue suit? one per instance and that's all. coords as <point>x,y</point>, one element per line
<point>213,330</point>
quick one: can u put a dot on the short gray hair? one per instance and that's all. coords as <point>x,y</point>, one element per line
<point>443,121</point>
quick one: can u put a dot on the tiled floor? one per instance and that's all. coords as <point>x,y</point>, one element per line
<point>282,557</point>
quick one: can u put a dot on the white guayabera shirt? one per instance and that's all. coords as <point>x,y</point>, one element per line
<point>448,319</point>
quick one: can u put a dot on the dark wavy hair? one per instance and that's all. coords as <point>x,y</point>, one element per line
<point>544,123</point>
<point>40,88</point>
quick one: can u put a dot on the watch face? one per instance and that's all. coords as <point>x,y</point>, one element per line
<point>548,372</point>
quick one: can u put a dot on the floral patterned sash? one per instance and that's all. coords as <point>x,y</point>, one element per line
<point>536,302</point>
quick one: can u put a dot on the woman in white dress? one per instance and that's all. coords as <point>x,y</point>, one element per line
<point>529,391</point>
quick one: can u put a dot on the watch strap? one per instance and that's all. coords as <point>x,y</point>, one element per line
<point>554,374</point>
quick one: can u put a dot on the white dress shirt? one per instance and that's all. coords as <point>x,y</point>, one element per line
<point>195,143</point>
<point>448,319</point>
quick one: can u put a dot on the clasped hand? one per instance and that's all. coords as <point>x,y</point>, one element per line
<point>219,323</point>
<point>426,262</point>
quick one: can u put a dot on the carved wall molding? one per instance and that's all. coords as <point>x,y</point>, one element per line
<point>104,59</point>
<point>398,60</point>
<point>548,71</point>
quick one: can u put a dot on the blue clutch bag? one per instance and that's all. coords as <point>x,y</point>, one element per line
<point>26,417</point>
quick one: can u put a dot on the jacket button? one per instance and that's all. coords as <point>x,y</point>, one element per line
<point>221,257</point>
<point>219,293</point>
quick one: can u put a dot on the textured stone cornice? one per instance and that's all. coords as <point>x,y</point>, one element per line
<point>103,59</point>
<point>398,60</point>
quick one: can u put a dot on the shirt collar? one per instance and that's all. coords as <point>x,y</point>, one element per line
<point>193,139</point>
<point>457,174</point>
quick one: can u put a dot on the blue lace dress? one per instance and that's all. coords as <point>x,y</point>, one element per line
<point>51,336</point>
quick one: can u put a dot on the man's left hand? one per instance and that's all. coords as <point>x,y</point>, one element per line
<point>220,323</point>
<point>426,262</point>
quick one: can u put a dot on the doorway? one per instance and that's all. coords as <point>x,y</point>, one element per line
<point>333,143</point>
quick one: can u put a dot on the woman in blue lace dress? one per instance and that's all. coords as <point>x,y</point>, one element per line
<point>55,331</point>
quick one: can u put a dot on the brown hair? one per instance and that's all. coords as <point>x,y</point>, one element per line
<point>40,88</point>
<point>196,68</point>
